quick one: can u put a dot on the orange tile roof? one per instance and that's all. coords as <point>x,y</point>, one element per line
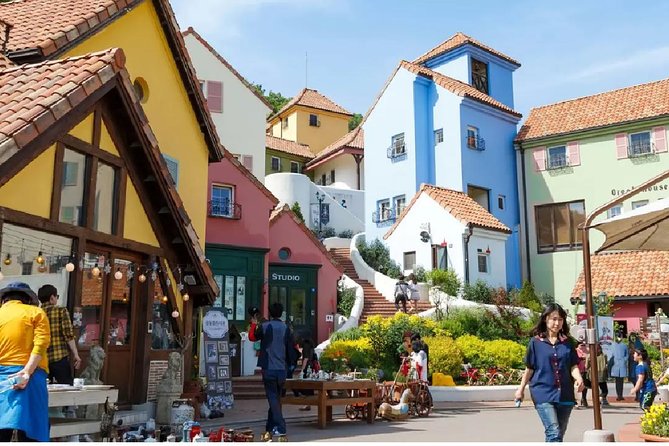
<point>285,209</point>
<point>287,146</point>
<point>5,62</point>
<point>33,97</point>
<point>459,205</point>
<point>459,39</point>
<point>628,104</point>
<point>457,87</point>
<point>352,140</point>
<point>312,99</point>
<point>628,274</point>
<point>247,84</point>
<point>46,28</point>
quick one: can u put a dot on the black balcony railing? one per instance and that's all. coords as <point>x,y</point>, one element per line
<point>557,161</point>
<point>225,209</point>
<point>640,148</point>
<point>475,143</point>
<point>383,215</point>
<point>396,150</point>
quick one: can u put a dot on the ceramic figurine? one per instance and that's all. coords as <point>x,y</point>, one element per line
<point>398,411</point>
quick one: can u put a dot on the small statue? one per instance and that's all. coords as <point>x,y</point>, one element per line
<point>398,411</point>
<point>171,380</point>
<point>91,373</point>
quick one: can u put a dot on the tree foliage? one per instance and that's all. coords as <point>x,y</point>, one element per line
<point>354,122</point>
<point>276,99</point>
<point>297,210</point>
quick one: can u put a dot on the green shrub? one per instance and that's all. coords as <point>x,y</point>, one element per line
<point>473,350</point>
<point>347,233</point>
<point>526,297</point>
<point>445,356</point>
<point>297,210</point>
<point>420,273</point>
<point>357,353</point>
<point>347,335</point>
<point>478,292</point>
<point>445,280</point>
<point>505,354</point>
<point>377,256</point>
<point>345,300</point>
<point>327,232</point>
<point>487,325</point>
<point>653,352</point>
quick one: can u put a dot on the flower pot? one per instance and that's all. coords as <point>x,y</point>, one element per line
<point>649,437</point>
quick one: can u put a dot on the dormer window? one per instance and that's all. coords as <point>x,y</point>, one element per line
<point>314,121</point>
<point>480,75</point>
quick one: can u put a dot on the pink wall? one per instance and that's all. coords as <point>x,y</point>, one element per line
<point>631,312</point>
<point>285,232</point>
<point>252,230</point>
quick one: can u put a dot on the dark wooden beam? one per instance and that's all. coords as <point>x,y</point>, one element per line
<point>86,148</point>
<point>57,181</point>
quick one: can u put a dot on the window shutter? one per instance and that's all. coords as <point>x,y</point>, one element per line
<point>539,159</point>
<point>660,136</point>
<point>215,96</point>
<point>247,161</point>
<point>621,145</point>
<point>574,154</point>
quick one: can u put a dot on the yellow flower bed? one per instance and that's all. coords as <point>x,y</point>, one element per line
<point>656,421</point>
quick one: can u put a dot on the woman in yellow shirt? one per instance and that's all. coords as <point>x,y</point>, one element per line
<point>24,338</point>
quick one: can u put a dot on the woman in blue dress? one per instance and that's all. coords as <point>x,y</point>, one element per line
<point>551,369</point>
<point>645,384</point>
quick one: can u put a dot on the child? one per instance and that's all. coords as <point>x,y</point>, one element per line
<point>645,384</point>
<point>419,360</point>
<point>414,295</point>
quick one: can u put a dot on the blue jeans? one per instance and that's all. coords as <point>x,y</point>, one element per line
<point>274,381</point>
<point>555,418</point>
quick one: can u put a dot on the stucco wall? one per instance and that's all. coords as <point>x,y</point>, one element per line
<point>241,125</point>
<point>284,232</point>
<point>332,127</point>
<point>631,312</point>
<point>345,172</point>
<point>556,273</point>
<point>454,65</point>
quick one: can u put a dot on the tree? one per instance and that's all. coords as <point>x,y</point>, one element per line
<point>297,211</point>
<point>276,100</point>
<point>354,122</point>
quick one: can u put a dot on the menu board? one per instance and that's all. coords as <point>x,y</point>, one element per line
<point>217,359</point>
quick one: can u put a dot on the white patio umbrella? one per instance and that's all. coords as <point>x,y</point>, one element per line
<point>645,228</point>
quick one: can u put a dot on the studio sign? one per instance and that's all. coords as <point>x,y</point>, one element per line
<point>286,277</point>
<point>656,188</point>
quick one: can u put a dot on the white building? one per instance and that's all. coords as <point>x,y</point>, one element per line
<point>442,228</point>
<point>341,163</point>
<point>237,108</point>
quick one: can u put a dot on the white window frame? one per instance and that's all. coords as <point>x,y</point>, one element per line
<point>630,149</point>
<point>472,132</point>
<point>396,204</point>
<point>398,144</point>
<point>297,167</point>
<point>404,260</point>
<point>639,203</point>
<point>380,209</point>
<point>231,203</point>
<point>438,136</point>
<point>483,255</point>
<point>278,164</point>
<point>557,163</point>
<point>614,211</point>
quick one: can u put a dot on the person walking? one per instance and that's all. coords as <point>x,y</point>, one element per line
<point>62,337</point>
<point>582,353</point>
<point>634,343</point>
<point>645,384</point>
<point>551,369</point>
<point>601,376</point>
<point>618,365</point>
<point>24,339</point>
<point>414,294</point>
<point>401,294</point>
<point>276,355</point>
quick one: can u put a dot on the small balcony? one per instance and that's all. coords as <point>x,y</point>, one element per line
<point>396,151</point>
<point>225,209</point>
<point>476,143</point>
<point>557,162</point>
<point>640,148</point>
<point>384,215</point>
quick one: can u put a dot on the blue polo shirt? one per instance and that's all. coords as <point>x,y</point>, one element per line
<point>648,381</point>
<point>551,381</point>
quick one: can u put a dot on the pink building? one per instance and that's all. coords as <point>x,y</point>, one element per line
<point>303,276</point>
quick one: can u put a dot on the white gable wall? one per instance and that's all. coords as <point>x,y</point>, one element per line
<point>241,125</point>
<point>496,242</point>
<point>345,172</point>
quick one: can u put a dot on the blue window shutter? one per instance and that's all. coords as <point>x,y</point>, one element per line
<point>173,167</point>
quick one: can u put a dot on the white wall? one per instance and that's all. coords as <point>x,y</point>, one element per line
<point>355,199</point>
<point>241,125</point>
<point>496,242</point>
<point>294,187</point>
<point>345,172</point>
<point>457,68</point>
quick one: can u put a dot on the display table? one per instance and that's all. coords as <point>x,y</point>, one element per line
<point>323,399</point>
<point>62,427</point>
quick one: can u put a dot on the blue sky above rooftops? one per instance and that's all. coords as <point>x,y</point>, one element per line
<point>567,49</point>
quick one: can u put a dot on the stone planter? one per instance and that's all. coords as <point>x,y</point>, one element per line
<point>649,437</point>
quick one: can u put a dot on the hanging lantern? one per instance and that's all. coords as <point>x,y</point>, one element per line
<point>175,314</point>
<point>164,298</point>
<point>118,275</point>
<point>96,270</point>
<point>42,268</point>
<point>125,297</point>
<point>40,258</point>
<point>8,259</point>
<point>141,278</point>
<point>69,267</point>
<point>186,297</point>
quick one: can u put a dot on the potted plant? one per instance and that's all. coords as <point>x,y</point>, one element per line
<point>655,423</point>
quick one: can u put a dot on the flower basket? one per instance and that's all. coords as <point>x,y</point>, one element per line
<point>649,437</point>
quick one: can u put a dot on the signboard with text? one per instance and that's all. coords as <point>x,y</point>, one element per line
<point>217,359</point>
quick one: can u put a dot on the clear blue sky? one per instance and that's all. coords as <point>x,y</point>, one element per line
<point>567,49</point>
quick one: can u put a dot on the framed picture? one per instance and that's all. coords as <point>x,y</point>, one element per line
<point>220,387</point>
<point>211,386</point>
<point>223,372</point>
<point>228,386</point>
<point>224,360</point>
<point>211,351</point>
<point>211,373</point>
<point>223,346</point>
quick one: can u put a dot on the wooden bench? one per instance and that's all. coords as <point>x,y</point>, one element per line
<point>63,427</point>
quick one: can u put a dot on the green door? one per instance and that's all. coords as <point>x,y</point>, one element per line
<point>296,289</point>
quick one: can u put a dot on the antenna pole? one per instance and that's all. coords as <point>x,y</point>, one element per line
<point>306,69</point>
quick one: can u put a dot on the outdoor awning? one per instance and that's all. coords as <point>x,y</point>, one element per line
<point>645,228</point>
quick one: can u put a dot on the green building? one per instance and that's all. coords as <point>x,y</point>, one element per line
<point>283,155</point>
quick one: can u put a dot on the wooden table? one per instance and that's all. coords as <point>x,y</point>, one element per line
<point>62,427</point>
<point>324,401</point>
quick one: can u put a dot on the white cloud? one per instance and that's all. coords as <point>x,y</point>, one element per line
<point>223,17</point>
<point>644,60</point>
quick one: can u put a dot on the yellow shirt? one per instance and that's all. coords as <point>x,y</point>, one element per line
<point>24,329</point>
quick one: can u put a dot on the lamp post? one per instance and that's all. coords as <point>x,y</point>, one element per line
<point>320,197</point>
